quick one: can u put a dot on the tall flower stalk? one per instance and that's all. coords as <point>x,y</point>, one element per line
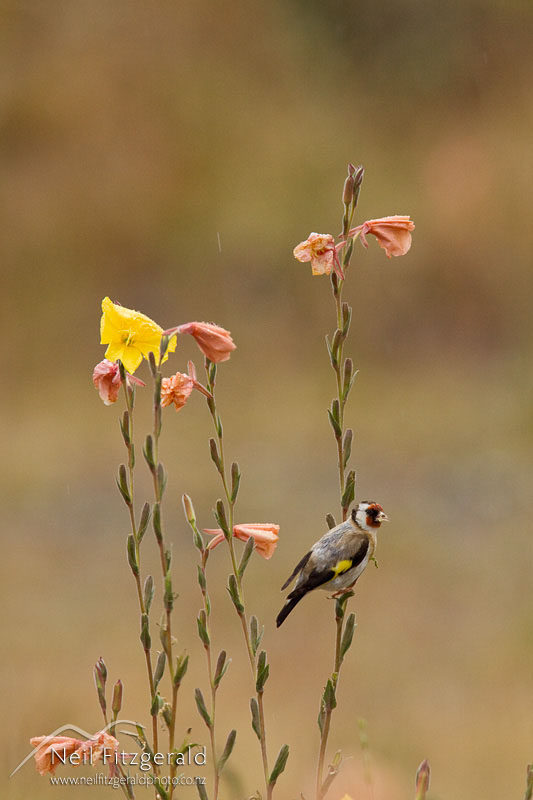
<point>225,516</point>
<point>330,258</point>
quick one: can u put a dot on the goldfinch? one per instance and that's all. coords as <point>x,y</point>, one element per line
<point>335,562</point>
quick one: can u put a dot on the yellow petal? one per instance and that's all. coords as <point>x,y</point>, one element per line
<point>131,357</point>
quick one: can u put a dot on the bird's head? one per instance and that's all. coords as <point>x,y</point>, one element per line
<point>368,515</point>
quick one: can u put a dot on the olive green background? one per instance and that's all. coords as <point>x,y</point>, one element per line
<point>171,155</point>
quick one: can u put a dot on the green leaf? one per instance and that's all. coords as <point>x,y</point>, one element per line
<point>220,670</point>
<point>157,704</point>
<point>334,419</point>
<point>347,446</point>
<point>200,704</point>
<point>202,791</point>
<point>280,764</point>
<point>330,701</point>
<point>148,451</point>
<point>256,721</point>
<point>202,629</point>
<point>234,594</point>
<point>220,516</point>
<point>125,428</point>
<point>122,483</point>
<point>347,636</point>
<point>235,481</point>
<point>247,552</point>
<point>346,319</point>
<point>181,668</point>
<point>132,555</point>
<point>169,595</point>
<point>156,522</point>
<point>145,519</point>
<point>145,632</point>
<point>349,491</point>
<point>213,449</point>
<point>159,668</point>
<point>255,634</point>
<point>263,670</point>
<point>228,747</point>
<point>161,479</point>
<point>202,583</point>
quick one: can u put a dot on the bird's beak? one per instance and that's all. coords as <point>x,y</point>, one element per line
<point>382,517</point>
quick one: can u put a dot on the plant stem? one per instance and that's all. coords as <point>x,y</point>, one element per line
<point>130,402</point>
<point>211,379</point>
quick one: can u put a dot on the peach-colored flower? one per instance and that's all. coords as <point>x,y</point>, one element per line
<point>106,378</point>
<point>177,389</point>
<point>319,249</point>
<point>101,746</point>
<point>265,536</point>
<point>393,233</point>
<point>53,750</point>
<point>214,342</point>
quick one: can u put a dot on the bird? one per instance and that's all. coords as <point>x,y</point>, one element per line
<point>337,559</point>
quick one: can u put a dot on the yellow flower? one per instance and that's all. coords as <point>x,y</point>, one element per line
<point>130,335</point>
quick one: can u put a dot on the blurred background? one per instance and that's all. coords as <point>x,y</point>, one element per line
<point>171,155</point>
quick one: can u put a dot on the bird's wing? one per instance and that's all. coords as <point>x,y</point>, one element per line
<point>332,556</point>
<point>298,568</point>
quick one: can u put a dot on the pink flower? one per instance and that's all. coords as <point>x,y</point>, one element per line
<point>319,249</point>
<point>101,746</point>
<point>52,750</point>
<point>265,536</point>
<point>393,233</point>
<point>178,388</point>
<point>214,342</point>
<point>106,378</point>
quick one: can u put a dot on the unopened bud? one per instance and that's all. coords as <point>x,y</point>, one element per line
<point>189,509</point>
<point>117,698</point>
<point>422,780</point>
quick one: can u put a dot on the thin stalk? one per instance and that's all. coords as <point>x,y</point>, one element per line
<point>350,198</point>
<point>221,467</point>
<point>130,395</point>
<point>158,494</point>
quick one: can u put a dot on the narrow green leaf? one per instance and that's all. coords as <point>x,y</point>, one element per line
<point>132,555</point>
<point>247,552</point>
<point>161,479</point>
<point>255,634</point>
<point>235,481</point>
<point>228,747</point>
<point>202,629</point>
<point>156,522</point>
<point>347,636</point>
<point>202,791</point>
<point>145,519</point>
<point>346,319</point>
<point>213,449</point>
<point>220,670</point>
<point>280,764</point>
<point>347,446</point>
<point>145,632</point>
<point>256,722</point>
<point>169,595</point>
<point>202,710</point>
<point>330,701</point>
<point>220,515</point>
<point>334,421</point>
<point>122,483</point>
<point>349,491</point>
<point>234,594</point>
<point>202,583</point>
<point>181,668</point>
<point>330,521</point>
<point>263,670</point>
<point>148,451</point>
<point>125,428</point>
<point>159,668</point>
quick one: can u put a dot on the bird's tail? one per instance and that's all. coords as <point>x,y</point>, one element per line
<point>292,600</point>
